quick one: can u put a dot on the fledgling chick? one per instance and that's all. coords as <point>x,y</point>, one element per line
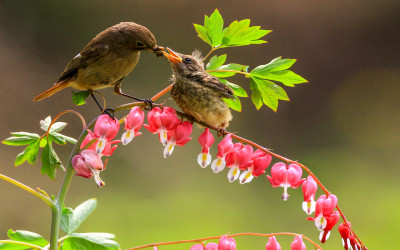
<point>198,93</point>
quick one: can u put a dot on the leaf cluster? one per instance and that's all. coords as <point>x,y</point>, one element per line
<point>239,33</point>
<point>50,160</point>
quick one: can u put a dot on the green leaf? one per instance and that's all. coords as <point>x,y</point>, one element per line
<point>21,138</point>
<point>237,90</point>
<point>72,219</point>
<point>270,92</point>
<point>56,127</point>
<point>50,161</point>
<point>276,64</point>
<point>90,241</point>
<point>239,33</point>
<point>287,77</point>
<point>234,104</point>
<point>78,98</point>
<point>202,33</point>
<point>215,62</point>
<point>227,70</point>
<point>30,154</point>
<point>43,142</point>
<point>63,138</point>
<point>256,95</point>
<point>28,237</point>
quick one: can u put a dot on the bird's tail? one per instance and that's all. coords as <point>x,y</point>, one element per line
<point>59,86</point>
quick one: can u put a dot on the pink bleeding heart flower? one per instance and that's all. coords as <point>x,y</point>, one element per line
<point>88,164</point>
<point>226,243</point>
<point>259,162</point>
<point>179,136</point>
<point>345,232</point>
<point>133,122</point>
<point>108,149</point>
<point>331,221</point>
<point>238,159</point>
<point>298,243</point>
<point>272,244</point>
<point>161,121</point>
<point>323,209</point>
<point>309,188</point>
<point>209,246</point>
<point>206,139</point>
<point>224,147</point>
<point>285,176</point>
<point>105,129</point>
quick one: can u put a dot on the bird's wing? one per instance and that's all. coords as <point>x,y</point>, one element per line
<point>213,82</point>
<point>89,54</point>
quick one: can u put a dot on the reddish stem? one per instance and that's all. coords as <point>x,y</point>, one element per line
<point>217,237</point>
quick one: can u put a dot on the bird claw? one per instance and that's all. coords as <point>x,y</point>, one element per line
<point>221,131</point>
<point>149,104</point>
<point>110,112</point>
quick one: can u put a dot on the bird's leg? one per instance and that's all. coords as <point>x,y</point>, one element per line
<point>221,131</point>
<point>107,111</point>
<point>117,90</point>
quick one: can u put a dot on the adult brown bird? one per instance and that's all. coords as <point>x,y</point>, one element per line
<point>198,93</point>
<point>106,60</point>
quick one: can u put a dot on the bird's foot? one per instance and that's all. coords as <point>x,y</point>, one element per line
<point>110,112</point>
<point>149,104</point>
<point>221,131</point>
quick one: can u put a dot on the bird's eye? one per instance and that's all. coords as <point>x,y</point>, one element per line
<point>187,59</point>
<point>139,44</point>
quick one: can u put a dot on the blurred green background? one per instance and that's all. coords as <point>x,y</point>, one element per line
<point>344,124</point>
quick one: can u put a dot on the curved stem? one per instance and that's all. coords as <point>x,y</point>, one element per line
<point>62,113</point>
<point>56,213</point>
<point>228,70</point>
<point>209,53</point>
<point>44,198</point>
<point>231,235</point>
<point>289,161</point>
<point>21,243</point>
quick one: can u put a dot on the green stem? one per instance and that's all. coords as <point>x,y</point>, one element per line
<point>57,211</point>
<point>228,70</point>
<point>44,198</point>
<point>21,243</point>
<point>209,53</point>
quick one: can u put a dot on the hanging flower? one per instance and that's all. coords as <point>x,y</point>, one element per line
<point>272,244</point>
<point>298,243</point>
<point>259,162</point>
<point>206,139</point>
<point>105,129</point>
<point>285,176</point>
<point>238,159</point>
<point>161,121</point>
<point>331,221</point>
<point>209,246</point>
<point>88,164</point>
<point>224,147</point>
<point>179,136</point>
<point>309,188</point>
<point>108,149</point>
<point>226,243</point>
<point>133,122</point>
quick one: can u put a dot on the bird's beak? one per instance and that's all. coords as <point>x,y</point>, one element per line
<point>158,50</point>
<point>172,56</point>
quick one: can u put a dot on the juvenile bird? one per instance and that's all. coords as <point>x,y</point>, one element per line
<point>198,93</point>
<point>106,60</point>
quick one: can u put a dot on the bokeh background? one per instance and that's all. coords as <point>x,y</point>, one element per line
<point>344,124</point>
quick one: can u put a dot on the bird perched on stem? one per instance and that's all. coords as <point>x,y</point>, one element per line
<point>198,93</point>
<point>106,60</point>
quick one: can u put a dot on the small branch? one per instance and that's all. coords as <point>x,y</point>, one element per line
<point>217,237</point>
<point>21,243</point>
<point>62,113</point>
<point>228,70</point>
<point>161,93</point>
<point>44,198</point>
<point>209,53</point>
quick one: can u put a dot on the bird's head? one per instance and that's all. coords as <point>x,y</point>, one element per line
<point>185,64</point>
<point>139,37</point>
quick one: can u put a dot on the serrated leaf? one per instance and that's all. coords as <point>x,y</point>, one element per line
<point>239,33</point>
<point>287,77</point>
<point>215,62</point>
<point>202,33</point>
<point>50,161</point>
<point>256,96</point>
<point>276,64</point>
<point>269,88</point>
<point>215,28</point>
<point>30,154</point>
<point>57,138</point>
<point>90,241</point>
<point>28,237</point>
<point>227,70</point>
<point>65,138</point>
<point>237,90</point>
<point>27,134</point>
<point>234,104</point>
<point>18,141</point>
<point>78,98</point>
<point>72,221</point>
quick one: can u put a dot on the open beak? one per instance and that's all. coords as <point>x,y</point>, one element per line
<point>172,56</point>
